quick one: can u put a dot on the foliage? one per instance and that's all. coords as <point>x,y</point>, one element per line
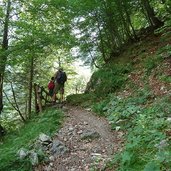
<point>145,125</point>
<point>47,123</point>
<point>108,79</point>
<point>152,62</point>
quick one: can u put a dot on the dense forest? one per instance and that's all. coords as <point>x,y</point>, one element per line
<point>38,36</point>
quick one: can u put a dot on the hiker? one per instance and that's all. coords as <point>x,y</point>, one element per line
<point>51,86</point>
<point>60,79</point>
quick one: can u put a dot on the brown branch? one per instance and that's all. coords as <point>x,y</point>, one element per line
<point>18,109</point>
<point>15,108</point>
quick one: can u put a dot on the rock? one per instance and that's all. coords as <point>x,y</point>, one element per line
<point>90,135</point>
<point>80,132</point>
<point>96,149</point>
<point>85,123</point>
<point>51,158</point>
<point>69,133</point>
<point>70,129</point>
<point>22,153</point>
<point>169,119</point>
<point>162,144</point>
<point>162,88</point>
<point>95,154</point>
<point>88,109</point>
<point>51,164</point>
<point>117,128</point>
<point>58,148</point>
<point>48,168</point>
<point>44,138</point>
<point>33,158</point>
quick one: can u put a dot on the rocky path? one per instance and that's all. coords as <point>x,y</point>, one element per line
<point>85,141</point>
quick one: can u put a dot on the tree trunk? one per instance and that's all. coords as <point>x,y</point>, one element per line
<point>129,19</point>
<point>3,58</point>
<point>30,86</point>
<point>155,22</point>
<point>4,55</point>
<point>101,46</point>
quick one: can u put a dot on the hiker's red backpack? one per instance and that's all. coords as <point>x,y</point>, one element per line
<point>51,85</point>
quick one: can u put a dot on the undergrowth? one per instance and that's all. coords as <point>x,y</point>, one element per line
<point>146,147</point>
<point>109,79</point>
<point>47,122</point>
<point>144,118</point>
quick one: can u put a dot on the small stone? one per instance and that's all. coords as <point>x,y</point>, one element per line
<point>51,158</point>
<point>95,154</point>
<point>169,119</point>
<point>85,123</point>
<point>44,138</point>
<point>33,158</point>
<point>80,132</point>
<point>88,134</point>
<point>162,88</point>
<point>86,168</point>
<point>22,153</point>
<point>48,168</point>
<point>117,128</point>
<point>70,128</point>
<point>51,164</point>
<point>88,109</point>
<point>69,133</point>
<point>162,144</point>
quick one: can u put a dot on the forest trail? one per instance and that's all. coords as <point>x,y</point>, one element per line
<point>89,140</point>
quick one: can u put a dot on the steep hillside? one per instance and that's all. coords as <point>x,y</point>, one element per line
<point>133,92</point>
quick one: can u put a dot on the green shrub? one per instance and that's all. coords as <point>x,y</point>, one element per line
<point>109,79</point>
<point>47,122</point>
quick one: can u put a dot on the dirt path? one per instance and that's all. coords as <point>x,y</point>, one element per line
<point>84,152</point>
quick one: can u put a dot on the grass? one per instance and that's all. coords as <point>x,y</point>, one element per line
<point>83,100</point>
<point>48,122</point>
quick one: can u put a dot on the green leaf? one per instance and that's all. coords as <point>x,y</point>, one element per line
<point>126,157</point>
<point>152,166</point>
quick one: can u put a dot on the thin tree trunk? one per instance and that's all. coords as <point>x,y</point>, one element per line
<point>15,105</point>
<point>101,38</point>
<point>4,55</point>
<point>129,19</point>
<point>150,12</point>
<point>30,86</point>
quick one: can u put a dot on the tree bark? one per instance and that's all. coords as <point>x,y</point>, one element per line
<point>30,86</point>
<point>3,58</point>
<point>155,22</point>
<point>4,54</point>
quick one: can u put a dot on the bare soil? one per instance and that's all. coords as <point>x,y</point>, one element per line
<point>83,155</point>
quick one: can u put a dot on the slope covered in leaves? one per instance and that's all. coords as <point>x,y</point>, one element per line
<point>133,92</point>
